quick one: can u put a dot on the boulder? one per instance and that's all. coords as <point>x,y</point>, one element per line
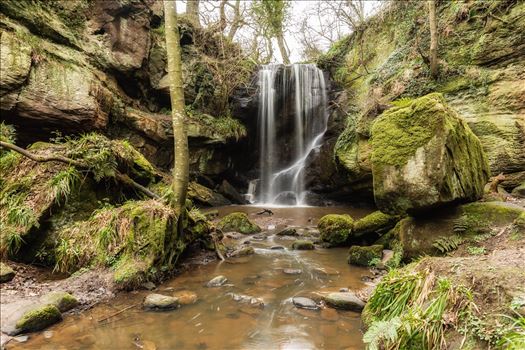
<point>38,318</point>
<point>160,302</point>
<point>425,156</point>
<point>238,222</point>
<point>217,281</point>
<point>335,229</point>
<point>375,222</point>
<point>364,256</point>
<point>344,301</point>
<point>6,273</point>
<point>228,191</point>
<point>206,196</point>
<point>62,300</point>
<point>303,245</point>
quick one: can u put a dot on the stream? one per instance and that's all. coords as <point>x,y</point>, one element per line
<point>216,320</point>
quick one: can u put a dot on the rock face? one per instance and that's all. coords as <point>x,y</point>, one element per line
<point>6,273</point>
<point>335,229</point>
<point>425,156</point>
<point>238,222</point>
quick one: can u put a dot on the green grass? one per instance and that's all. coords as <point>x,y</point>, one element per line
<point>476,250</point>
<point>63,183</point>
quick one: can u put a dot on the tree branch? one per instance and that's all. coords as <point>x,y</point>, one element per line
<point>58,158</point>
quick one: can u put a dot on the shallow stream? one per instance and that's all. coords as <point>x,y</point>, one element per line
<point>216,320</point>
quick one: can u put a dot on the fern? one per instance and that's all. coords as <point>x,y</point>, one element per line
<point>63,183</point>
<point>381,332</point>
<point>447,244</point>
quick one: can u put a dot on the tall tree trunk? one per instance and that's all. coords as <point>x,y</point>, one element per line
<point>192,11</point>
<point>222,16</point>
<point>181,166</point>
<point>237,20</point>
<point>433,38</point>
<point>282,48</point>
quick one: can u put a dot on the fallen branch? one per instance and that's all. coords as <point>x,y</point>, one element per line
<point>265,211</point>
<point>117,313</point>
<point>58,158</point>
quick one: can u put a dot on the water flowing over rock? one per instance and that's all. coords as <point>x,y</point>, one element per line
<point>292,121</point>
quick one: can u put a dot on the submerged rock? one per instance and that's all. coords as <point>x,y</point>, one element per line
<point>62,300</point>
<point>364,256</point>
<point>292,271</point>
<point>345,301</point>
<point>238,222</point>
<point>186,297</point>
<point>305,303</point>
<point>160,302</point>
<point>38,318</point>
<point>424,156</point>
<point>6,273</point>
<point>217,281</point>
<point>246,299</point>
<point>335,229</point>
<point>303,245</point>
<point>290,231</point>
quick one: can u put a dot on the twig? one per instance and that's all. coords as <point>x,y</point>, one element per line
<point>117,313</point>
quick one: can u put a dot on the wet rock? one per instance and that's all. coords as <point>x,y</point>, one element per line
<point>277,247</point>
<point>365,256</point>
<point>62,300</point>
<point>217,281</point>
<point>186,297</point>
<point>305,303</point>
<point>238,222</point>
<point>21,338</point>
<point>234,235</point>
<point>293,271</point>
<point>149,285</point>
<point>519,191</point>
<point>287,232</point>
<point>343,290</point>
<point>246,299</point>
<point>160,302</point>
<point>286,198</point>
<point>303,245</point>
<point>329,315</point>
<point>243,251</point>
<point>344,301</point>
<point>6,273</point>
<point>259,237</point>
<point>38,318</point>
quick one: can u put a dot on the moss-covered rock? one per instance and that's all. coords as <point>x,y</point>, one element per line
<point>38,318</point>
<point>335,229</point>
<point>238,222</point>
<point>375,222</point>
<point>62,300</point>
<point>303,245</point>
<point>424,156</point>
<point>6,273</point>
<point>519,191</point>
<point>364,256</point>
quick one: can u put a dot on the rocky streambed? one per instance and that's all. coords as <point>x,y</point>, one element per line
<point>269,296</point>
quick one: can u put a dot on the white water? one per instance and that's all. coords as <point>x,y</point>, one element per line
<point>282,170</point>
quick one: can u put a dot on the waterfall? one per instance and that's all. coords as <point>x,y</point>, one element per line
<point>292,120</point>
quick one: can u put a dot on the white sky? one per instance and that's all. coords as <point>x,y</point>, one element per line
<point>299,9</point>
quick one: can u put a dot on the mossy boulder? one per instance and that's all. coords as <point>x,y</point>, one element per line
<point>375,222</point>
<point>6,273</point>
<point>519,191</point>
<point>303,245</point>
<point>38,318</point>
<point>335,229</point>
<point>363,256</point>
<point>424,156</point>
<point>62,300</point>
<point>238,222</point>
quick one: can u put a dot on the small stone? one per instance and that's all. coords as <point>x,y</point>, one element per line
<point>186,297</point>
<point>160,302</point>
<point>345,301</point>
<point>6,273</point>
<point>292,271</point>
<point>303,245</point>
<point>217,281</point>
<point>62,300</point>
<point>343,290</point>
<point>287,232</point>
<point>48,334</point>
<point>305,303</point>
<point>329,315</point>
<point>277,247</point>
<point>149,285</point>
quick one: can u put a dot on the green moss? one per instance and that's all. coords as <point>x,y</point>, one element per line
<point>238,222</point>
<point>62,300</point>
<point>375,222</point>
<point>363,256</point>
<point>489,214</point>
<point>303,245</point>
<point>38,318</point>
<point>335,229</point>
<point>130,273</point>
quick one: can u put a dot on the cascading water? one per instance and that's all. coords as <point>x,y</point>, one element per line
<point>292,122</point>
